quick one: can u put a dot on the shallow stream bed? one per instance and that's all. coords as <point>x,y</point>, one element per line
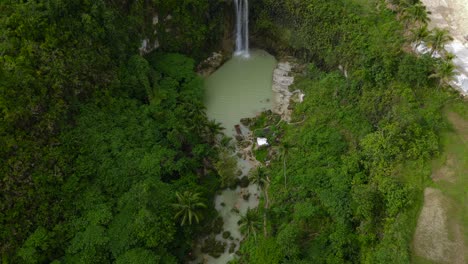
<point>240,88</point>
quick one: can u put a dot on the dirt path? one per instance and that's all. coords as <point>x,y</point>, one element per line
<point>440,234</point>
<point>434,231</point>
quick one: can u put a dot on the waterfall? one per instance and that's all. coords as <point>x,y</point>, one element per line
<point>242,28</point>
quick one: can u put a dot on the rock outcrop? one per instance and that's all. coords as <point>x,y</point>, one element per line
<point>282,96</point>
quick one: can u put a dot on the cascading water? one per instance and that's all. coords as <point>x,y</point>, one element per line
<point>242,28</point>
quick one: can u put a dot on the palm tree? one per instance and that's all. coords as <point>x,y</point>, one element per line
<point>284,150</point>
<point>259,177</point>
<point>250,223</point>
<point>438,39</point>
<point>188,205</point>
<point>416,13</point>
<point>445,72</point>
<point>213,129</point>
<point>418,35</point>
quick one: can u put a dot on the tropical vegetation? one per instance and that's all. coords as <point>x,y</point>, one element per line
<point>107,155</point>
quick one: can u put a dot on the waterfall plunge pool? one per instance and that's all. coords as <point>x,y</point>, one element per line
<point>240,88</point>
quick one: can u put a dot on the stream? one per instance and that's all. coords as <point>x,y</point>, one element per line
<point>241,88</point>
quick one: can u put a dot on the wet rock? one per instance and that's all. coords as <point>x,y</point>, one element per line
<point>238,130</point>
<point>232,248</point>
<point>213,247</point>
<point>244,182</point>
<point>211,64</point>
<point>244,144</point>
<point>246,121</point>
<point>226,234</point>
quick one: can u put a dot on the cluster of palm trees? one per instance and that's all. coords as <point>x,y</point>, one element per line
<point>189,207</point>
<point>416,18</point>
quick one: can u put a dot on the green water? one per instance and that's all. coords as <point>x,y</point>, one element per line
<point>240,88</point>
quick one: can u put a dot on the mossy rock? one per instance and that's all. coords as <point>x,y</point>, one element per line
<point>213,247</point>
<point>246,121</point>
<point>226,234</point>
<point>234,184</point>
<point>244,182</point>
<point>232,248</point>
<point>217,226</point>
<point>243,144</point>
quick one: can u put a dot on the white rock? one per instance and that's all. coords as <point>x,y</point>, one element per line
<point>285,66</point>
<point>280,72</point>
<point>262,142</point>
<point>283,80</point>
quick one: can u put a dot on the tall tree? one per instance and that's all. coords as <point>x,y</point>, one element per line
<point>416,13</point>
<point>445,72</point>
<point>438,39</point>
<point>250,223</point>
<point>418,35</point>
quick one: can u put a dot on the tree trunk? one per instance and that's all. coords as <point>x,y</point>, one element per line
<point>266,207</point>
<point>284,169</point>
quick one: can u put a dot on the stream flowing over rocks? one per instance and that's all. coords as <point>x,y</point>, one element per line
<point>237,92</point>
<point>231,204</point>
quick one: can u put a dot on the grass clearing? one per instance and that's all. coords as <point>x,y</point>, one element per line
<point>442,232</point>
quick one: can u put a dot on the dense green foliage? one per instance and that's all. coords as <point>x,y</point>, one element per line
<point>108,157</point>
<point>94,139</point>
<point>346,182</point>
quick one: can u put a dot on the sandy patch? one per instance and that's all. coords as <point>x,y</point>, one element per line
<point>433,238</point>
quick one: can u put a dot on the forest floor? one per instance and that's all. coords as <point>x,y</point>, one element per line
<point>442,231</point>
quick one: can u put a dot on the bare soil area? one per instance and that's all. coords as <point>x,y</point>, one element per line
<point>435,239</point>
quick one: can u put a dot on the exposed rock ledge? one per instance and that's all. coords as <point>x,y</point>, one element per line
<point>282,96</point>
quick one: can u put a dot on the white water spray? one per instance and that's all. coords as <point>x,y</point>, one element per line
<point>242,28</point>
